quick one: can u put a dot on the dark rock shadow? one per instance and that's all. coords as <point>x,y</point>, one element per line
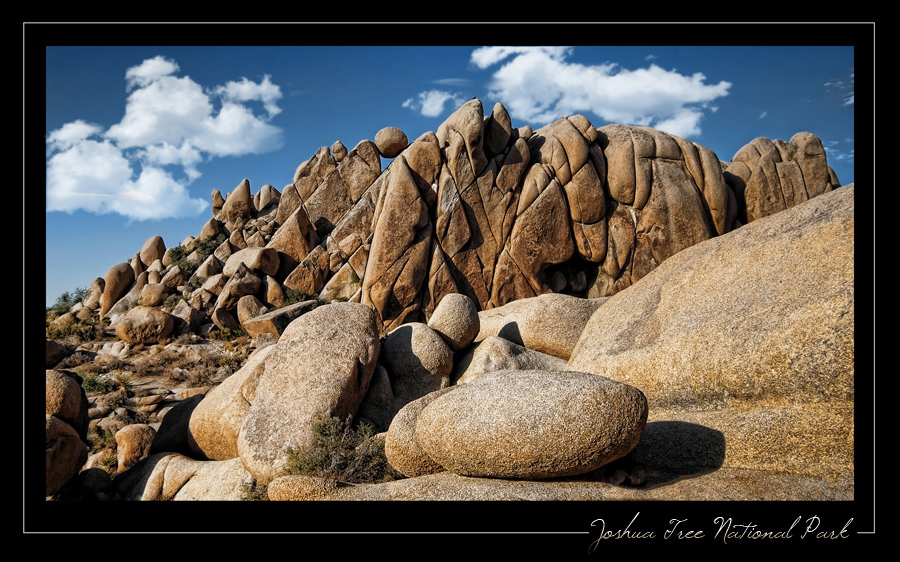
<point>174,434</point>
<point>668,451</point>
<point>510,332</point>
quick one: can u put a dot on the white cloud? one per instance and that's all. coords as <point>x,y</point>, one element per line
<point>431,103</point>
<point>187,156</point>
<point>456,82</point>
<point>763,114</point>
<point>87,176</point>
<point>148,71</point>
<point>171,126</point>
<point>685,123</point>
<point>165,110</point>
<point>484,57</point>
<point>71,134</point>
<point>95,176</point>
<point>539,85</point>
<point>844,88</point>
<point>246,90</point>
<point>155,194</point>
<point>836,153</point>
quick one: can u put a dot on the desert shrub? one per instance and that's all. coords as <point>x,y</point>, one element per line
<point>75,331</point>
<point>179,367</point>
<point>101,439</point>
<point>253,491</point>
<point>204,248</point>
<point>227,334</point>
<point>109,462</point>
<point>91,382</point>
<point>207,246</point>
<point>342,452</point>
<point>230,363</point>
<point>179,255</point>
<point>76,358</point>
<point>292,296</point>
<point>171,301</point>
<point>114,363</point>
<point>122,379</point>
<point>67,300</point>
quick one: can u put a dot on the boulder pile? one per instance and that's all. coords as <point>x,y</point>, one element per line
<point>478,208</point>
<point>505,303</point>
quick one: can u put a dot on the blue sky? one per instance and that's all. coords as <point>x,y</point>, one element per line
<point>137,137</point>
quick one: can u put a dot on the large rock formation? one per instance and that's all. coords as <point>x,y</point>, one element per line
<point>751,334</point>
<point>699,302</point>
<point>478,208</point>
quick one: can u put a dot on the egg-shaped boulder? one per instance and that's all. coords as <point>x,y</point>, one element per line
<point>532,424</point>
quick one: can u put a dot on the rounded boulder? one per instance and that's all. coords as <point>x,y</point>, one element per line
<point>391,141</point>
<point>532,425</point>
<point>144,324</point>
<point>400,444</point>
<point>115,284</point>
<point>320,367</point>
<point>418,361</point>
<point>264,260</point>
<point>456,319</point>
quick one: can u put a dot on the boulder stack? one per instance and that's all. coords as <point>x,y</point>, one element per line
<point>477,208</point>
<point>503,303</point>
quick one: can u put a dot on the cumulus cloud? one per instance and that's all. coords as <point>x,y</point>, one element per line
<point>432,102</point>
<point>148,71</point>
<point>539,85</point>
<point>142,166</point>
<point>247,90</point>
<point>71,134</point>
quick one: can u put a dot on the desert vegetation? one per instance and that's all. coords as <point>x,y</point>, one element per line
<point>341,451</point>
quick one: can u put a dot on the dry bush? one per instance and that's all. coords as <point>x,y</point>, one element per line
<point>178,367</point>
<point>343,452</point>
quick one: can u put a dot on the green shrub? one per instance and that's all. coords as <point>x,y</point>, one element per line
<point>344,453</point>
<point>204,248</point>
<point>109,462</point>
<point>101,439</point>
<point>91,382</point>
<point>171,301</point>
<point>78,331</point>
<point>231,363</point>
<point>254,492</point>
<point>227,334</point>
<point>292,296</point>
<point>122,379</point>
<point>179,256</point>
<point>67,300</point>
<point>207,246</point>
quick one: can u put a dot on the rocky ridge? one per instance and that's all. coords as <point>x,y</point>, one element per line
<point>486,271</point>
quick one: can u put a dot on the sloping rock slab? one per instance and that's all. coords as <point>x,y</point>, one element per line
<point>276,321</point>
